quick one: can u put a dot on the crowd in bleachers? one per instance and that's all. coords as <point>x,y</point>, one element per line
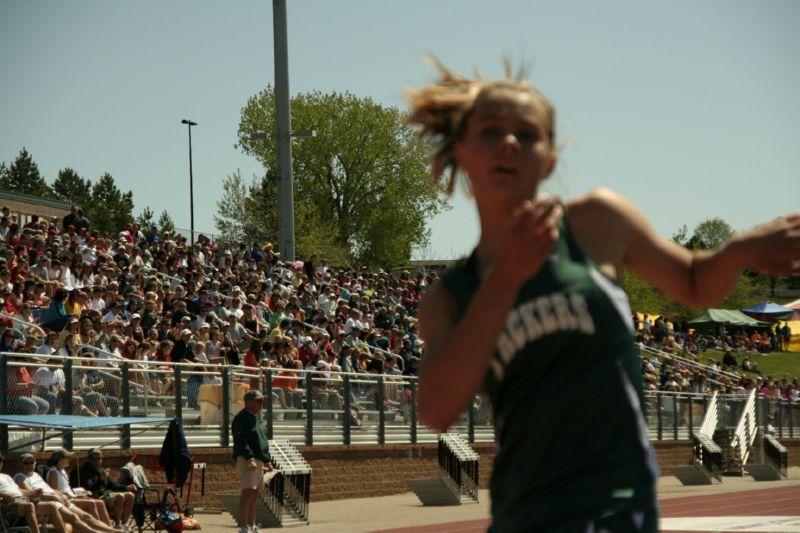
<point>687,368</point>
<point>67,289</point>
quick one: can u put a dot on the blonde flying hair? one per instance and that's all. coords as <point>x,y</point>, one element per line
<point>441,110</point>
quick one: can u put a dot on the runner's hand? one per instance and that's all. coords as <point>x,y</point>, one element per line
<point>527,241</point>
<point>773,247</point>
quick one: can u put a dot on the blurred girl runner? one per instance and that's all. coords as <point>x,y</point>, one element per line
<point>537,306</point>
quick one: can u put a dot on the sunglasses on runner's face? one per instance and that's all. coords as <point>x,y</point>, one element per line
<point>28,462</point>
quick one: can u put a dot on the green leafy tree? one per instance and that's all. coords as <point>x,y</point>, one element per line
<point>166,227</point>
<point>362,183</point>
<point>681,236</point>
<point>319,236</point>
<point>71,187</point>
<point>261,207</point>
<point>146,221</point>
<point>110,210</point>
<point>712,233</point>
<point>23,176</point>
<point>709,234</point>
<point>648,299</point>
<point>749,289</point>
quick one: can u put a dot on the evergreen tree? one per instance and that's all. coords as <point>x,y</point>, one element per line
<point>71,187</point>
<point>146,221</point>
<point>232,216</point>
<point>110,210</point>
<point>23,176</point>
<point>166,227</point>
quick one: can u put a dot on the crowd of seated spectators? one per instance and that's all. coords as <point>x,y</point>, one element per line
<point>694,373</point>
<point>678,337</point>
<point>66,289</point>
<point>77,504</point>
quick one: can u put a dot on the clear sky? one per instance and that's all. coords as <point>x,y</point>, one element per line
<point>691,109</point>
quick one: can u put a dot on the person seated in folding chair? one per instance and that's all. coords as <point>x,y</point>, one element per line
<point>16,502</point>
<point>80,520</point>
<point>58,479</point>
<point>97,480</point>
<point>147,501</point>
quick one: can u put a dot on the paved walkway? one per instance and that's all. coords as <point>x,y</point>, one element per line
<point>403,512</point>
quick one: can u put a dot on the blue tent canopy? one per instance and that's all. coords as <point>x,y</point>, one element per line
<point>770,309</point>
<point>71,422</point>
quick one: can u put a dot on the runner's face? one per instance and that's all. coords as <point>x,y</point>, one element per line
<point>505,149</point>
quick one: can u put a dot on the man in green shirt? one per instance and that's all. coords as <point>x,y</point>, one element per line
<point>251,453</point>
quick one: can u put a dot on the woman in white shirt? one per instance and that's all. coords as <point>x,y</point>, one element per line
<point>58,479</point>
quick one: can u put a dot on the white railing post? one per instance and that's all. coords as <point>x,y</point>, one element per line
<point>710,419</point>
<point>746,428</point>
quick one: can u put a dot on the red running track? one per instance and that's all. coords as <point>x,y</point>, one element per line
<point>766,502</point>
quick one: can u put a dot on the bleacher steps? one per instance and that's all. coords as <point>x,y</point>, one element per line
<point>763,472</point>
<point>731,459</point>
<point>692,474</point>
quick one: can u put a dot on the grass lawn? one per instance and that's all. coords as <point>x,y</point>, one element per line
<point>775,364</point>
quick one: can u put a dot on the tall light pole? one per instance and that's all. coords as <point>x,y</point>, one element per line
<point>283,133</point>
<point>189,123</point>
<point>264,136</point>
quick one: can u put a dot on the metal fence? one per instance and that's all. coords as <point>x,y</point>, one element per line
<point>307,407</point>
<point>679,415</point>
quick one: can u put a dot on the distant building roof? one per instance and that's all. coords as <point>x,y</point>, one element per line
<point>34,200</point>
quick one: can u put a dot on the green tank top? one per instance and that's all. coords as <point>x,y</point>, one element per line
<point>566,388</point>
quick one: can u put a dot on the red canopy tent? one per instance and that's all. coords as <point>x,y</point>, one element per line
<point>796,306</point>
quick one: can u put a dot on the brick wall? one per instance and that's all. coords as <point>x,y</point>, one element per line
<point>359,471</point>
<point>792,451</point>
<point>672,452</point>
<point>363,471</point>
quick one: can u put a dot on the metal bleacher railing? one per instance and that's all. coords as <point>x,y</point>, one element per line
<point>776,455</point>
<point>707,452</point>
<point>308,407</point>
<point>746,429</point>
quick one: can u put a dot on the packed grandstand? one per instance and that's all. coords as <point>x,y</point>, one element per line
<point>68,290</point>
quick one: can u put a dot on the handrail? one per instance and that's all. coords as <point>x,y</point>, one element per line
<point>690,363</point>
<point>746,430</point>
<point>776,455</point>
<point>29,324</point>
<point>169,277</point>
<point>244,370</point>
<point>708,454</point>
<point>709,424</point>
<point>95,349</point>
<point>169,387</point>
<point>395,356</point>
